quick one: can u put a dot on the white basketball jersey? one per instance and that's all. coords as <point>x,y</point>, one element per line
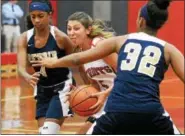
<point>99,70</point>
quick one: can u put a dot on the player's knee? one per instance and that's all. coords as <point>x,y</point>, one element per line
<point>50,128</point>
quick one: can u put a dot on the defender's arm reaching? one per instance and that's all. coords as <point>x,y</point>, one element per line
<point>104,48</point>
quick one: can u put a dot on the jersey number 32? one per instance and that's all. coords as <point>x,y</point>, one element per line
<point>151,56</point>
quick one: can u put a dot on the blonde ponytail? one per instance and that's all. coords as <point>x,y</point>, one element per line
<point>99,28</point>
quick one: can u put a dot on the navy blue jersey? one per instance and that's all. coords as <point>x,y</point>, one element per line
<point>48,76</point>
<point>141,68</point>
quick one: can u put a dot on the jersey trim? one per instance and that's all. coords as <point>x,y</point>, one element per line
<point>52,31</point>
<point>96,40</point>
<point>29,34</point>
<point>145,37</point>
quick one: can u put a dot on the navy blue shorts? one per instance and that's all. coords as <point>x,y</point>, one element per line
<point>50,101</point>
<point>134,123</point>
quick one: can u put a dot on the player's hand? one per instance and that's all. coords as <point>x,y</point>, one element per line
<point>33,79</point>
<point>48,62</point>
<point>101,96</point>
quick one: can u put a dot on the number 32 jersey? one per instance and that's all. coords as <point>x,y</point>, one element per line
<point>141,68</point>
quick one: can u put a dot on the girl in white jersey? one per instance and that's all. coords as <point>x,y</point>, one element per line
<point>134,107</point>
<point>85,34</point>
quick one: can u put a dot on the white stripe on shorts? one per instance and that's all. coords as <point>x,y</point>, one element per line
<point>176,131</point>
<point>63,98</point>
<point>35,91</point>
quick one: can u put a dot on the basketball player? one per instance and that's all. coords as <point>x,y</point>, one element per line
<point>85,33</point>
<point>133,106</point>
<point>46,41</point>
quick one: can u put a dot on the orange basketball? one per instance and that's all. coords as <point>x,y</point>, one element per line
<point>80,102</point>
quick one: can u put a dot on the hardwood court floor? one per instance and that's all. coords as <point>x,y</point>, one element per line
<point>18,107</point>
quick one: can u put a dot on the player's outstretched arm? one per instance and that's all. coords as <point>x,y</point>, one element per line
<point>104,48</point>
<point>23,61</point>
<point>176,59</point>
<point>22,55</point>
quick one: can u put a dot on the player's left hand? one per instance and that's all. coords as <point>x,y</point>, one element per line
<point>48,62</point>
<point>101,96</point>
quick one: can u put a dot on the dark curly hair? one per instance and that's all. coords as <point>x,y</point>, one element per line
<point>158,13</point>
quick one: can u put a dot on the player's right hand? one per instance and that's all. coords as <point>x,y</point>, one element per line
<point>33,79</point>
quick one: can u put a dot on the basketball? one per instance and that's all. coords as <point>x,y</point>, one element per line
<point>80,102</point>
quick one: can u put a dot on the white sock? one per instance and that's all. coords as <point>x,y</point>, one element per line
<point>50,128</point>
<point>40,129</point>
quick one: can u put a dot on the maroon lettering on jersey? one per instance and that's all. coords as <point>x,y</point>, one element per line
<point>100,70</point>
<point>94,71</point>
<point>108,69</point>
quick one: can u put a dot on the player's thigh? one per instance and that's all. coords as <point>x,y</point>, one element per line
<point>42,104</point>
<point>41,109</point>
<point>58,109</point>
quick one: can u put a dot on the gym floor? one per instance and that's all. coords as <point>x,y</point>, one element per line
<point>18,106</point>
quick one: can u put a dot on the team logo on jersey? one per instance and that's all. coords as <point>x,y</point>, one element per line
<point>40,56</point>
<point>30,45</point>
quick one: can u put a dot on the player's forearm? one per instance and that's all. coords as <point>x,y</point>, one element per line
<point>22,72</point>
<point>68,61</point>
<point>77,59</point>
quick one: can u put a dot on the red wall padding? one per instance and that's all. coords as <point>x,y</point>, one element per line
<point>54,17</point>
<point>172,31</point>
<point>8,58</point>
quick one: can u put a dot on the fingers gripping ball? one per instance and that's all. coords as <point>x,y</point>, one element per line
<point>80,102</point>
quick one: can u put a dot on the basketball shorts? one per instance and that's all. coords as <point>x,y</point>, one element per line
<point>134,123</point>
<point>50,101</point>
